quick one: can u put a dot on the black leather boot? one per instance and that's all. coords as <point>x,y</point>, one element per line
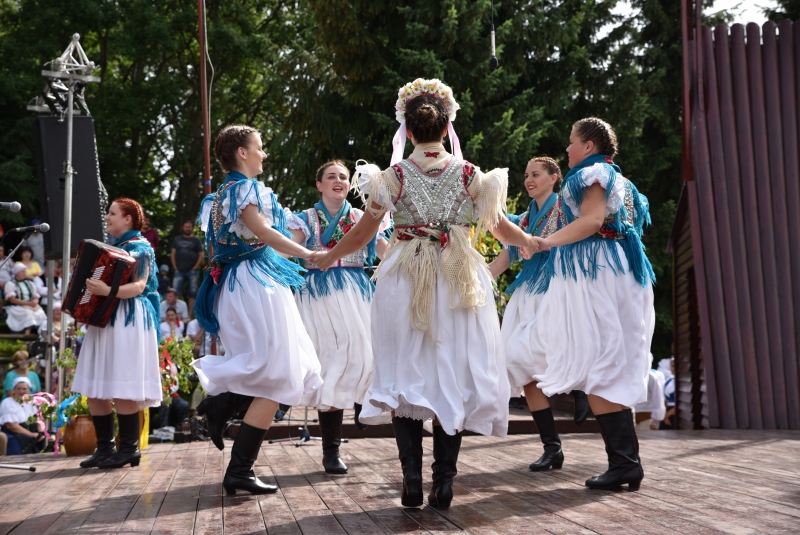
<point>240,475</point>
<point>128,443</point>
<point>408,434</point>
<point>582,408</point>
<point>106,447</point>
<point>218,410</point>
<point>357,408</point>
<point>622,448</point>
<point>445,457</point>
<point>552,456</point>
<point>330,426</point>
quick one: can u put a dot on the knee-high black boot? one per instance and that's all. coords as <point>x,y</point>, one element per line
<point>128,443</point>
<point>240,475</point>
<point>445,456</point>
<point>104,431</point>
<point>218,410</point>
<point>552,456</point>
<point>330,425</point>
<point>408,434</point>
<point>357,408</point>
<point>582,408</point>
<point>622,448</point>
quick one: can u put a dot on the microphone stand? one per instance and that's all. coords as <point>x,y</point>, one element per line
<point>27,235</point>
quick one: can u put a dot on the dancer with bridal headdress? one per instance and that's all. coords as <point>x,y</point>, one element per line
<point>435,331</point>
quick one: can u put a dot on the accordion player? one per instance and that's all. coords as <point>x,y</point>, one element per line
<point>97,260</point>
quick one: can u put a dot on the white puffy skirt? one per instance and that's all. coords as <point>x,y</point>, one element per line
<point>20,317</point>
<point>339,327</point>
<point>596,335</point>
<point>460,379</point>
<point>524,357</point>
<point>120,361</point>
<point>268,353</point>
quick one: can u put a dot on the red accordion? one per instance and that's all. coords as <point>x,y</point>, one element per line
<point>97,260</point>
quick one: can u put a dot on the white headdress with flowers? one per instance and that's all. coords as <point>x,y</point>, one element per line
<point>420,86</point>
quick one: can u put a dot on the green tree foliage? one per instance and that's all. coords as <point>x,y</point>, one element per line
<point>320,78</point>
<point>787,9</point>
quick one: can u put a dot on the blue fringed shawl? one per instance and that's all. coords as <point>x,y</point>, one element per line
<point>138,247</point>
<point>593,253</point>
<point>532,270</point>
<point>264,264</point>
<point>320,283</point>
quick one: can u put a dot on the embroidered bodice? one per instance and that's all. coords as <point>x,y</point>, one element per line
<point>427,199</point>
<point>354,260</point>
<point>219,204</point>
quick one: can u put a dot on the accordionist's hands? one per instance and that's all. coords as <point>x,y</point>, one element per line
<point>98,287</point>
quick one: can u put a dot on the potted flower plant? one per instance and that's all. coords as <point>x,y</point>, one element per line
<point>79,436</point>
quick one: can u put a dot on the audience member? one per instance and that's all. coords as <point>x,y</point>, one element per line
<point>171,301</point>
<point>163,281</point>
<point>21,368</point>
<point>187,256</point>
<point>670,419</point>
<point>23,437</point>
<point>649,413</point>
<point>172,327</point>
<point>22,302</point>
<point>202,340</point>
<point>177,406</point>
<point>150,234</point>
<point>41,284</point>
<point>25,257</point>
<point>36,243</point>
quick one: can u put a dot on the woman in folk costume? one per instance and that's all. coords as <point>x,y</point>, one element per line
<point>119,362</point>
<point>247,301</point>
<point>519,329</point>
<point>334,305</point>
<point>596,318</point>
<point>435,331</point>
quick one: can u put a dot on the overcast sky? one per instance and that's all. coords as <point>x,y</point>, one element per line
<point>744,11</point>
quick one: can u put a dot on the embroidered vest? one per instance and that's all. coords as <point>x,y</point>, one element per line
<point>355,260</point>
<point>433,199</point>
<point>218,219</point>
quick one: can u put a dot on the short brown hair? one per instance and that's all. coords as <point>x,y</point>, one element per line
<point>321,170</point>
<point>228,142</point>
<point>131,208</point>
<point>598,132</point>
<point>551,166</point>
<point>19,356</point>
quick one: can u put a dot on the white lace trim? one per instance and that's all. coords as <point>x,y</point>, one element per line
<point>248,194</point>
<point>374,185</point>
<point>599,174</point>
<point>295,222</point>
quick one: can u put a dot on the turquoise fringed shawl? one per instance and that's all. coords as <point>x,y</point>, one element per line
<point>138,247</point>
<point>264,264</point>
<point>532,271</point>
<point>594,253</point>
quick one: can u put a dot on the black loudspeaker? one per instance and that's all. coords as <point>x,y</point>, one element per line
<point>89,197</point>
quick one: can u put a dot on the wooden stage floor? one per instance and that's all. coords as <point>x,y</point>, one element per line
<point>696,482</point>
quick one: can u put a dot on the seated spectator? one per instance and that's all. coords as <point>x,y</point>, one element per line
<point>163,281</point>
<point>202,340</point>
<point>172,301</point>
<point>25,257</point>
<point>670,418</point>
<point>57,324</point>
<point>177,406</point>
<point>14,420</point>
<point>652,411</point>
<point>41,285</point>
<point>21,368</point>
<point>172,327</point>
<point>22,303</point>
<point>6,273</point>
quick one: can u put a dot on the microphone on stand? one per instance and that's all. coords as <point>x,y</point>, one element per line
<point>13,206</point>
<point>44,227</point>
<point>493,59</point>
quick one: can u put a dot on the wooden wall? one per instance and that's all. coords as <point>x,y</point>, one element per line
<point>743,87</point>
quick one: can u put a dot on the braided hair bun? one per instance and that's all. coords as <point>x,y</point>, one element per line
<point>599,132</point>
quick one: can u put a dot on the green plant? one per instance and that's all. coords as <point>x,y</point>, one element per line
<point>9,347</point>
<point>67,361</point>
<point>178,353</point>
